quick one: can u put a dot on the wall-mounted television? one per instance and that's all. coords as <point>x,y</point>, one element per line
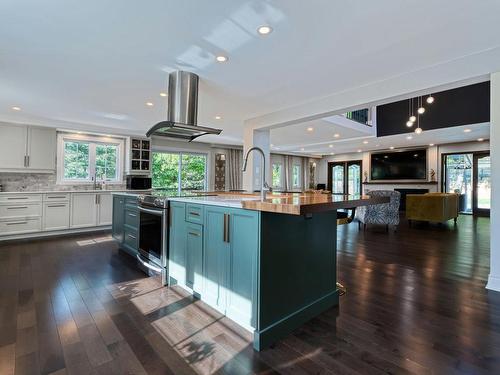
<point>399,165</point>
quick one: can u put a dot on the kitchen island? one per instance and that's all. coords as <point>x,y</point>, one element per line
<point>268,265</point>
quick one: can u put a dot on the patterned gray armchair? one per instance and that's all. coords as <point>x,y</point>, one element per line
<point>385,214</point>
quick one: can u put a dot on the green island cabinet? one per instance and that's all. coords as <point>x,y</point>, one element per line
<point>125,226</point>
<point>268,272</point>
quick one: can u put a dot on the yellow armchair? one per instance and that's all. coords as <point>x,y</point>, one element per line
<point>437,207</point>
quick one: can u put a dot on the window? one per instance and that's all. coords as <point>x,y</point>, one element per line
<point>277,172</point>
<point>80,158</point>
<point>296,176</point>
<point>179,171</point>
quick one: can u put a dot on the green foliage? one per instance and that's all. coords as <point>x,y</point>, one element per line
<point>76,160</point>
<point>105,160</point>
<point>277,172</point>
<point>167,166</point>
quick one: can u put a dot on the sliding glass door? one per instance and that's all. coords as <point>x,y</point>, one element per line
<point>468,174</point>
<point>344,177</point>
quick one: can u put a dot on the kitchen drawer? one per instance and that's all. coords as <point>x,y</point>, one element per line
<point>132,218</point>
<point>55,215</point>
<point>20,209</point>
<point>17,198</point>
<point>130,239</point>
<point>131,201</point>
<point>59,197</point>
<point>19,226</point>
<point>194,213</point>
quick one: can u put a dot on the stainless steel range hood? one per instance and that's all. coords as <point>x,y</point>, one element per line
<point>182,110</point>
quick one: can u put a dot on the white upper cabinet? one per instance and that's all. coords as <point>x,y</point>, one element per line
<point>41,148</point>
<point>13,150</point>
<point>27,149</point>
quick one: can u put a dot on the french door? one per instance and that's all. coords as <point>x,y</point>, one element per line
<point>345,177</point>
<point>469,175</point>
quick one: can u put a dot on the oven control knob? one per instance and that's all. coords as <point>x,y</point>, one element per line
<point>158,202</point>
<point>141,198</point>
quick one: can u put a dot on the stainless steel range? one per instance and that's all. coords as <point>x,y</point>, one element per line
<point>153,232</point>
<point>153,235</point>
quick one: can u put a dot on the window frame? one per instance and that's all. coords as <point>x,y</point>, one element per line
<point>280,186</point>
<point>299,168</point>
<point>179,166</point>
<point>93,141</point>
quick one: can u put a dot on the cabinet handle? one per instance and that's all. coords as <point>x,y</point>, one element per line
<point>56,197</point>
<point>194,234</point>
<point>28,157</point>
<point>131,236</point>
<point>226,228</point>
<point>194,213</point>
<point>56,205</point>
<point>17,223</point>
<point>16,198</point>
<point>132,215</point>
<point>17,207</point>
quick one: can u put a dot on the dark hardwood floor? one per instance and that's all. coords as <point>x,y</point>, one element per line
<point>415,304</point>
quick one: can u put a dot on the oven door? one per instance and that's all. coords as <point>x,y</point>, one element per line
<point>151,238</point>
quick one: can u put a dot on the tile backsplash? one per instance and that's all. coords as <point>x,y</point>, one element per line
<point>40,181</point>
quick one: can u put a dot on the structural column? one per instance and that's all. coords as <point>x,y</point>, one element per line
<point>494,278</point>
<point>259,138</point>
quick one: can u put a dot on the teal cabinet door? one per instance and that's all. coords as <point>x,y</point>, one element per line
<point>177,239</point>
<point>244,241</point>
<point>118,218</point>
<point>194,256</point>
<point>215,252</point>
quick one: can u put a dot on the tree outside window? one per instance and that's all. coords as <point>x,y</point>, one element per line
<point>296,176</point>
<point>179,172</point>
<point>277,173</point>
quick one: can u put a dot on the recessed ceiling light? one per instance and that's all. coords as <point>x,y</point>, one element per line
<point>218,117</point>
<point>480,139</point>
<point>149,104</point>
<point>221,58</point>
<point>377,145</point>
<point>431,144</point>
<point>467,130</point>
<point>409,137</point>
<point>331,146</point>
<point>15,108</point>
<point>336,135</point>
<point>272,145</point>
<point>332,153</point>
<point>360,150</point>
<point>365,142</point>
<point>79,132</point>
<point>392,147</point>
<point>163,94</point>
<point>302,149</point>
<point>310,129</point>
<point>264,30</point>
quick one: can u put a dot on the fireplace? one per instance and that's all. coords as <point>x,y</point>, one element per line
<point>404,192</point>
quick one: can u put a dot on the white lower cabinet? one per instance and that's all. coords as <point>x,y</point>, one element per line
<point>55,215</point>
<point>83,210</point>
<point>104,209</point>
<point>36,212</point>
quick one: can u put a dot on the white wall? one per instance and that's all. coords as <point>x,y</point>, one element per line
<point>494,277</point>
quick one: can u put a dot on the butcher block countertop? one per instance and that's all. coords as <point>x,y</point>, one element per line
<point>285,203</point>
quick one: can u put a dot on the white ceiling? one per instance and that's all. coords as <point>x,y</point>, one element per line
<point>93,64</point>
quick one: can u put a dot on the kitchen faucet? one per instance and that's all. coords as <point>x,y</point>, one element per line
<point>96,186</point>
<point>264,187</point>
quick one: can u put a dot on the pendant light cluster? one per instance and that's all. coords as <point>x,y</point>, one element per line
<point>412,117</point>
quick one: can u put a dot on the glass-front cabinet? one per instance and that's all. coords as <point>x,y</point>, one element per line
<point>139,156</point>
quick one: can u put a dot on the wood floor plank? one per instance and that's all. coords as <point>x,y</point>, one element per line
<point>7,359</point>
<point>96,349</point>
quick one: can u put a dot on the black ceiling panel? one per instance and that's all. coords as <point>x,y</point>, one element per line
<point>462,106</point>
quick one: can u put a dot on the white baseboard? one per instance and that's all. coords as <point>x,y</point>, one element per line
<point>62,232</point>
<point>493,283</point>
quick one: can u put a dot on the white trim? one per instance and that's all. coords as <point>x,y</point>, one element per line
<point>93,141</point>
<point>493,283</point>
<point>61,232</point>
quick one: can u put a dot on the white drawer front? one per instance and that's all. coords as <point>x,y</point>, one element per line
<point>21,209</point>
<point>20,226</point>
<point>16,198</point>
<point>56,215</point>
<point>52,197</point>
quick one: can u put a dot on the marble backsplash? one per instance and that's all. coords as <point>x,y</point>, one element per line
<point>41,181</point>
